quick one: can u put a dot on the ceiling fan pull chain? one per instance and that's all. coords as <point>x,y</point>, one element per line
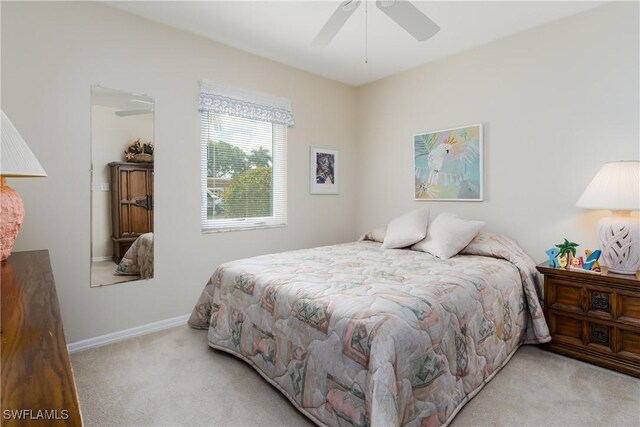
<point>366,31</point>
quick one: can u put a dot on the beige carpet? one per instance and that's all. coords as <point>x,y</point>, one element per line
<point>102,273</point>
<point>172,378</point>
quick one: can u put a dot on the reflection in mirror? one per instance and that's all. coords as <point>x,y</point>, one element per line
<point>122,153</point>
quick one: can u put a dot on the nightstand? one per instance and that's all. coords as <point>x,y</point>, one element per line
<point>594,317</point>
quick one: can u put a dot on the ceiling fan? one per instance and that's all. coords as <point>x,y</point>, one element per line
<point>136,111</point>
<point>402,12</point>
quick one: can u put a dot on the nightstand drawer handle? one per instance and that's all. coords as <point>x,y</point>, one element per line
<point>599,334</point>
<point>600,300</point>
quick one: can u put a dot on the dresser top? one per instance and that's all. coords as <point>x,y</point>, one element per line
<point>604,276</point>
<point>148,165</point>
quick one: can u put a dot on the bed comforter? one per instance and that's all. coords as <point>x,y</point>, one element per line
<point>357,335</point>
<point>139,258</point>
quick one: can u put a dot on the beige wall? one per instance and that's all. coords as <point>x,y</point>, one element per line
<point>110,136</point>
<point>556,102</point>
<point>52,53</point>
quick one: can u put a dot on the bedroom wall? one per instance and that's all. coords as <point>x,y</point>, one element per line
<point>556,103</point>
<point>110,136</point>
<point>51,55</point>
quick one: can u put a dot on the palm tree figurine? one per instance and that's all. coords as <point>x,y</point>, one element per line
<point>568,251</point>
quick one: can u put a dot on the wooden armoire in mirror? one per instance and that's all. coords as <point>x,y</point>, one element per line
<point>122,186</point>
<point>131,204</point>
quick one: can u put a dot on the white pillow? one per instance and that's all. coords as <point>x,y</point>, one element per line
<point>376,235</point>
<point>448,235</point>
<point>406,229</point>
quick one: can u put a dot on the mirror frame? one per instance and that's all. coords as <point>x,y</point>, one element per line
<point>92,90</point>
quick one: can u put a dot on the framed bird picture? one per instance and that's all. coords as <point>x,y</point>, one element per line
<point>448,164</point>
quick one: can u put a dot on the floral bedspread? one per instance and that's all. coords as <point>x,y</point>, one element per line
<point>139,258</point>
<point>357,335</point>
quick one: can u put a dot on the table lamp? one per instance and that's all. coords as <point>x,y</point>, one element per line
<point>616,187</point>
<point>16,161</point>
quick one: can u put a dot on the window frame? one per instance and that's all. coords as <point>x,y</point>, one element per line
<point>279,183</point>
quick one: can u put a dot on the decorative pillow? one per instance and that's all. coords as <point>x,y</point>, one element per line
<point>406,229</point>
<point>376,235</point>
<point>448,235</point>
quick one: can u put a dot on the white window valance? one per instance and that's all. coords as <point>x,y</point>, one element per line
<point>222,99</point>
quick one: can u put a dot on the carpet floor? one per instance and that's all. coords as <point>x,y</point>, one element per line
<point>172,378</point>
<point>102,273</point>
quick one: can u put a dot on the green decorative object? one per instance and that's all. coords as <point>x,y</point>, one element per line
<point>567,247</point>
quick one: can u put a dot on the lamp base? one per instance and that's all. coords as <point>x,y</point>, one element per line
<point>620,240</point>
<point>11,216</point>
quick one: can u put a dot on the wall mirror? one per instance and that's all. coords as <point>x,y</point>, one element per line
<point>122,174</point>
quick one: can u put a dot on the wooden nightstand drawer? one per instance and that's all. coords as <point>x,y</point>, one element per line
<point>630,345</point>
<point>629,308</point>
<point>595,318</point>
<point>566,295</point>
<point>576,297</point>
<point>565,328</point>
<point>580,331</point>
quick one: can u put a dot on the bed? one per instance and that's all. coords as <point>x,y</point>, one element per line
<point>138,260</point>
<point>353,334</point>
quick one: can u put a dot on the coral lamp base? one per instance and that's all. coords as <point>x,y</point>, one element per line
<point>11,216</point>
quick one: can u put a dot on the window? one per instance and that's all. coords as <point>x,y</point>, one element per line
<point>243,162</point>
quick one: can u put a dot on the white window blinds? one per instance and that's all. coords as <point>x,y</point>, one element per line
<point>243,159</point>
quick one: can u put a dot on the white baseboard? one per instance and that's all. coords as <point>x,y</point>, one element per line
<point>100,258</point>
<point>113,337</point>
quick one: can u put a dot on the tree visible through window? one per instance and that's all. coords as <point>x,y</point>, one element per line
<point>240,171</point>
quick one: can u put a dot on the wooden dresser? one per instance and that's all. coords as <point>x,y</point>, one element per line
<point>594,317</point>
<point>131,204</point>
<point>38,387</point>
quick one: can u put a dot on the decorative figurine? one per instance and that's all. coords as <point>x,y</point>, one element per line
<point>567,252</point>
<point>563,260</point>
<point>578,262</point>
<point>591,262</point>
<point>553,257</point>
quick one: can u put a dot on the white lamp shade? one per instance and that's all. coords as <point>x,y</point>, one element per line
<point>616,187</point>
<point>16,158</point>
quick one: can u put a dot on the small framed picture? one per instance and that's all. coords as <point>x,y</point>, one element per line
<point>323,171</point>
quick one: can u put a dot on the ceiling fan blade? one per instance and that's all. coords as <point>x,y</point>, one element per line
<point>141,101</point>
<point>126,113</point>
<point>335,22</point>
<point>410,18</point>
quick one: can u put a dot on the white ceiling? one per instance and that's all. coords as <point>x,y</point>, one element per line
<point>283,30</point>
